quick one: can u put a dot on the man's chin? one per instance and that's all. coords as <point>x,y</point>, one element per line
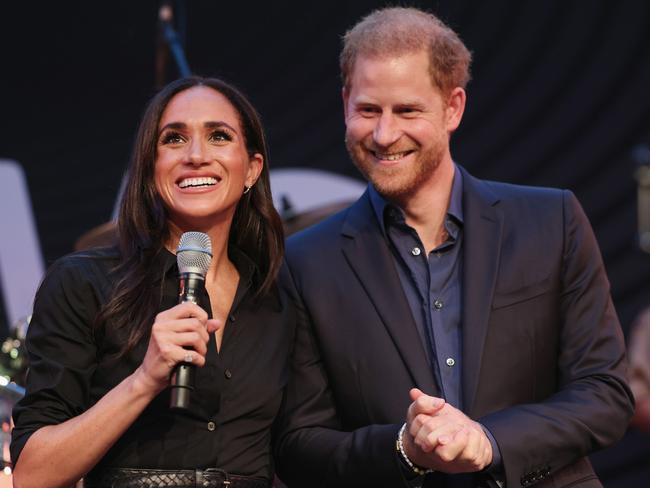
<point>392,190</point>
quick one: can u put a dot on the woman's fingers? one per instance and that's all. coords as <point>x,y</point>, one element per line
<point>191,340</point>
<point>179,334</point>
<point>182,310</point>
<point>213,325</point>
<point>181,325</point>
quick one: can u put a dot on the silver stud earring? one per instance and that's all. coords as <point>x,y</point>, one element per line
<point>248,188</point>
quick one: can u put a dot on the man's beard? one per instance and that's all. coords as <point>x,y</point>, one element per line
<point>396,183</point>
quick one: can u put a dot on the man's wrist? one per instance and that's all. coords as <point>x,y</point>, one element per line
<point>495,466</point>
<point>399,446</point>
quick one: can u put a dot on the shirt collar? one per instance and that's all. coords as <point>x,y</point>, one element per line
<point>381,206</point>
<point>165,261</point>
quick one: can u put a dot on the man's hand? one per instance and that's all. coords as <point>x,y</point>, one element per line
<point>441,437</point>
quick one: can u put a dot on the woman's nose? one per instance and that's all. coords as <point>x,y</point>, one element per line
<point>197,152</point>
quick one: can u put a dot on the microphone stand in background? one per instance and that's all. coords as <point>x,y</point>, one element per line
<point>170,42</point>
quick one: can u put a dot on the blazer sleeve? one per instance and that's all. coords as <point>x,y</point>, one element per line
<point>593,404</point>
<point>313,449</point>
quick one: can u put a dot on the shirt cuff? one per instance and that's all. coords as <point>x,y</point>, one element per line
<point>495,469</point>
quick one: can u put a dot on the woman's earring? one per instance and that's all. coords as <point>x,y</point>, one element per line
<point>248,188</point>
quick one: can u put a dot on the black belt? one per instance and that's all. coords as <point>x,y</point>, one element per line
<point>162,478</point>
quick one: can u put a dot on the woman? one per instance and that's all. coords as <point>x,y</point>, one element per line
<point>107,331</point>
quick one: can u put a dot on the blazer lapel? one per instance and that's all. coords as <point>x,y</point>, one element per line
<point>482,244</point>
<point>367,253</point>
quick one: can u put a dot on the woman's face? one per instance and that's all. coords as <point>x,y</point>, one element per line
<point>202,166</point>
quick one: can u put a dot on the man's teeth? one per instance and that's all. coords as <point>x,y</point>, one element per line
<point>194,182</point>
<point>391,157</point>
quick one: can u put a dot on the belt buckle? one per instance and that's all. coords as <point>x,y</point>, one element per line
<point>224,475</point>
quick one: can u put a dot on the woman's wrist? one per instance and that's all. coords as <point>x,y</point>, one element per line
<point>142,385</point>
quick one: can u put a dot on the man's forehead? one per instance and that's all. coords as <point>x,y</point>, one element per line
<point>380,68</point>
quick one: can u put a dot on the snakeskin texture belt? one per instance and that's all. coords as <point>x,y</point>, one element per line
<point>160,478</point>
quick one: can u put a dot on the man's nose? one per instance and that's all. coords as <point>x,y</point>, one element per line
<point>387,130</point>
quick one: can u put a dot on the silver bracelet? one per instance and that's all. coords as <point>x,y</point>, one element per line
<point>400,448</point>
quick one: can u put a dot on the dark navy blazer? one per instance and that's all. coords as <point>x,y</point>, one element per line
<point>544,357</point>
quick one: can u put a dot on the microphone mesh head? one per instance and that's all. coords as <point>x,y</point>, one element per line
<point>194,253</point>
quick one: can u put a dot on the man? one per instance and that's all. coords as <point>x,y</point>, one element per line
<point>452,331</point>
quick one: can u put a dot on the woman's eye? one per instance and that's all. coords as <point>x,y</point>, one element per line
<point>172,138</point>
<point>220,136</point>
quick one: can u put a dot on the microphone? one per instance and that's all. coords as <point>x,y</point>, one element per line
<point>193,257</point>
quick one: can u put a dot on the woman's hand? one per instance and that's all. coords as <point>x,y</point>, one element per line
<point>178,334</point>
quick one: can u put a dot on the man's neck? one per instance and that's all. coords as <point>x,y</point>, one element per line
<point>426,209</point>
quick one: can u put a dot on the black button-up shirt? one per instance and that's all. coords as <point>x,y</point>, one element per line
<point>238,392</point>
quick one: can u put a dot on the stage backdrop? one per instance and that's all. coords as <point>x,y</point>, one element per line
<point>559,98</point>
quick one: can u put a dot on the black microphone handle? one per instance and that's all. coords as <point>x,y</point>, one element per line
<point>182,380</point>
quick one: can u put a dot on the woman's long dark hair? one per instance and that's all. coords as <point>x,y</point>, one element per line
<point>143,227</point>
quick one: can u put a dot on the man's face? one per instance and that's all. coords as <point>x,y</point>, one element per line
<point>397,123</point>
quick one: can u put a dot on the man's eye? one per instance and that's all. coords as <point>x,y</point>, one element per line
<point>406,110</point>
<point>220,136</point>
<point>368,111</point>
<point>172,138</point>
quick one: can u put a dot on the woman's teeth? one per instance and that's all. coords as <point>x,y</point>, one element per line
<point>195,182</point>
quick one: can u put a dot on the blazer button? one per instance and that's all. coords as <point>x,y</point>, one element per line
<point>211,426</point>
<point>227,374</point>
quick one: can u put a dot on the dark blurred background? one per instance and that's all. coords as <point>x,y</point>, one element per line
<point>559,98</point>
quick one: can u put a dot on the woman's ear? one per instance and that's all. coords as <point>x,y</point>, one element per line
<point>255,165</point>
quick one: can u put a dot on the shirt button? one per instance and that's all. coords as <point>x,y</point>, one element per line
<point>438,304</point>
<point>227,374</point>
<point>211,426</point>
<point>450,362</point>
<point>415,251</point>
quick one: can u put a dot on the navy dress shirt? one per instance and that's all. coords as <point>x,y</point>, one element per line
<point>432,284</point>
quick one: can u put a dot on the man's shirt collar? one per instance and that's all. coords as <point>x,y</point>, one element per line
<point>385,210</point>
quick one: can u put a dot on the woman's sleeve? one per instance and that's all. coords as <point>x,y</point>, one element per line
<point>61,349</point>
